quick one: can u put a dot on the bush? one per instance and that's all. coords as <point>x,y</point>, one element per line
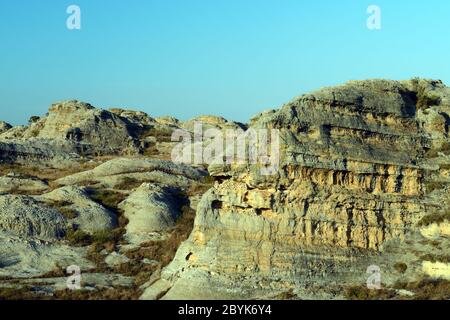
<point>128,184</point>
<point>400,267</point>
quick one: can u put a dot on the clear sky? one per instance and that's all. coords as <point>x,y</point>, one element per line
<point>184,58</point>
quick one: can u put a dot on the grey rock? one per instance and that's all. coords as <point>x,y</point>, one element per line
<point>90,217</point>
<point>150,209</point>
<point>4,127</point>
<point>25,217</point>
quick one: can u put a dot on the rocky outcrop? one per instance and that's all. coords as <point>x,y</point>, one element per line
<point>25,217</point>
<point>58,154</point>
<point>151,209</point>
<point>211,122</point>
<point>85,214</point>
<point>80,123</point>
<point>121,171</point>
<point>354,164</point>
<point>13,183</point>
<point>4,127</point>
<point>13,133</point>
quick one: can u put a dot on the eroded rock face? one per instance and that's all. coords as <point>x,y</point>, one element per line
<point>121,170</point>
<point>352,181</point>
<point>88,216</point>
<point>150,209</point>
<point>80,122</point>
<point>209,122</point>
<point>4,127</point>
<point>25,217</point>
<point>17,184</point>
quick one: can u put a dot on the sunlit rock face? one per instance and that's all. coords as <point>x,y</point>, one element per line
<point>354,181</point>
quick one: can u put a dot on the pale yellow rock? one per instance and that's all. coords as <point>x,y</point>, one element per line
<point>436,269</point>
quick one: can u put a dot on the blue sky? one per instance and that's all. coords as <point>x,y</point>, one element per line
<point>184,58</point>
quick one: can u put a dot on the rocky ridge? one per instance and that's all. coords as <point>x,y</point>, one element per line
<point>363,181</point>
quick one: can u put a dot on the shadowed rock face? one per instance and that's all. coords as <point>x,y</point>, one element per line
<point>353,180</point>
<point>80,122</point>
<point>23,216</point>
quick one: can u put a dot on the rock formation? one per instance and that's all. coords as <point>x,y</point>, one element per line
<point>354,182</point>
<point>362,184</point>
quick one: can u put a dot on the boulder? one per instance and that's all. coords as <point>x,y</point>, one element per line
<point>89,216</point>
<point>150,209</point>
<point>26,217</point>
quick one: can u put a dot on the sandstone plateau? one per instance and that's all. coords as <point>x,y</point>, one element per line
<point>363,183</point>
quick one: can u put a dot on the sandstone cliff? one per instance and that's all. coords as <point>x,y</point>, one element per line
<point>359,168</point>
<point>362,184</point>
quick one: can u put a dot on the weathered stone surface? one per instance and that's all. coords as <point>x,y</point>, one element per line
<point>352,186</point>
<point>90,216</point>
<point>25,258</point>
<point>16,184</point>
<point>13,133</point>
<point>120,170</point>
<point>81,123</point>
<point>4,126</point>
<point>209,121</point>
<point>150,209</point>
<point>58,154</point>
<point>25,217</point>
<point>116,259</point>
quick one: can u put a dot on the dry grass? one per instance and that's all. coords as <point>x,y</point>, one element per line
<point>104,294</point>
<point>201,187</point>
<point>161,134</point>
<point>27,293</point>
<point>107,238</point>
<point>22,293</point>
<point>287,295</point>
<point>435,258</point>
<point>427,289</point>
<point>433,153</point>
<point>363,293</point>
<point>109,199</point>
<point>437,217</point>
<point>45,173</point>
<point>129,184</point>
